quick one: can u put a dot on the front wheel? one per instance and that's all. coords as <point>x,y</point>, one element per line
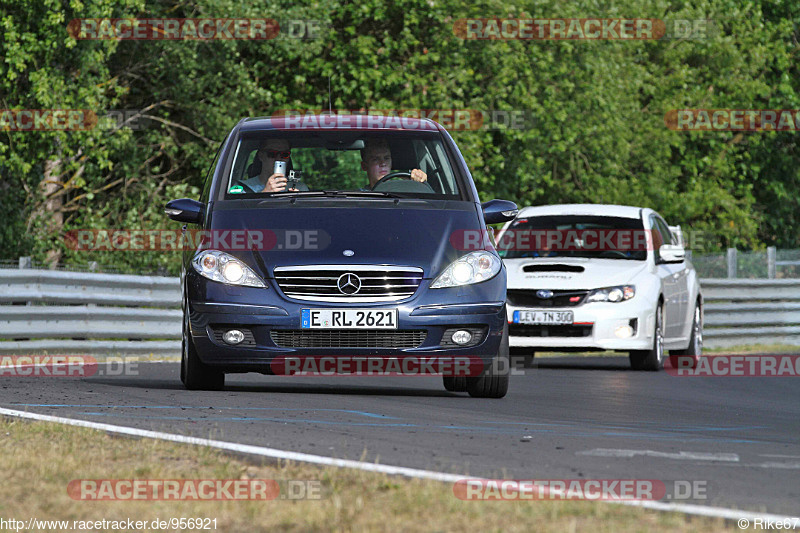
<point>493,383</point>
<point>690,357</point>
<point>195,374</point>
<point>653,358</point>
<point>455,383</point>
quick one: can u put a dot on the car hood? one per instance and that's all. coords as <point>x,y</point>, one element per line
<point>571,273</point>
<point>386,234</point>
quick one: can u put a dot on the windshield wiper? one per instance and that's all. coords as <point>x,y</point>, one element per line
<point>336,194</point>
<point>366,194</point>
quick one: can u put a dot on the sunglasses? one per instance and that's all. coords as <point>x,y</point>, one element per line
<point>277,154</point>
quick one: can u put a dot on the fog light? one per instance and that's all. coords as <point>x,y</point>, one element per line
<point>624,332</point>
<point>233,336</point>
<point>461,336</point>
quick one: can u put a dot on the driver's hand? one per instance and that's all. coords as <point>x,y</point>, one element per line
<point>418,175</point>
<point>275,183</point>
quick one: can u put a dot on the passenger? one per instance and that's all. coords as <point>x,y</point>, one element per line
<point>270,151</point>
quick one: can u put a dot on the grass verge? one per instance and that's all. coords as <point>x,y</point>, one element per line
<point>39,460</point>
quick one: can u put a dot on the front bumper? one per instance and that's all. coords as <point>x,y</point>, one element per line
<point>594,326</point>
<point>261,312</point>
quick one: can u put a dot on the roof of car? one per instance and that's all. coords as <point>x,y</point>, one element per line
<point>624,211</point>
<point>328,122</point>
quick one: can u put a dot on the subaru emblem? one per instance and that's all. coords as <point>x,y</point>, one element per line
<point>544,294</point>
<point>348,253</point>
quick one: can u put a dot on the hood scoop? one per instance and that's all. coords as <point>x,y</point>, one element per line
<point>552,268</point>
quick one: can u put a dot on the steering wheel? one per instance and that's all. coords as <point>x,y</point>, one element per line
<point>611,254</point>
<point>391,175</point>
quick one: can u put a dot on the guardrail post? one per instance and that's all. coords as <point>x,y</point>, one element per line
<point>25,262</point>
<point>771,265</point>
<point>732,263</point>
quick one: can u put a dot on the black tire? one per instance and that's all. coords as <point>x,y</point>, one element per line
<point>195,374</point>
<point>493,383</point>
<point>692,354</point>
<point>652,359</point>
<point>455,383</point>
<point>522,357</point>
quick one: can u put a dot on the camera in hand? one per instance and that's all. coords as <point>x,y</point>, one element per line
<point>295,177</point>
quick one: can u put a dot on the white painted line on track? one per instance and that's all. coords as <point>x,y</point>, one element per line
<point>700,510</point>
<point>795,465</point>
<point>689,456</point>
<point>235,447</point>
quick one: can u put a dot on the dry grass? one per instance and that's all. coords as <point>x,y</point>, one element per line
<point>38,461</point>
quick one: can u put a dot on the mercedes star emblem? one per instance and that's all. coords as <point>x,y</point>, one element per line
<point>348,283</point>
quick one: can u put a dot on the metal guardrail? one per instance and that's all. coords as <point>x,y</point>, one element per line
<point>771,263</point>
<point>751,311</point>
<point>74,312</point>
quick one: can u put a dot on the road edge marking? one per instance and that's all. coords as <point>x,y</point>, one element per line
<point>700,510</point>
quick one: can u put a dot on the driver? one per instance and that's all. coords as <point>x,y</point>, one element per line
<point>376,160</point>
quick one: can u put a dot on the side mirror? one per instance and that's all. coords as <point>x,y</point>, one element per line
<point>185,210</point>
<point>672,253</point>
<point>497,211</point>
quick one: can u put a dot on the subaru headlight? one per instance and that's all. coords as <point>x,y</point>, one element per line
<point>616,294</point>
<point>225,268</point>
<point>471,268</point>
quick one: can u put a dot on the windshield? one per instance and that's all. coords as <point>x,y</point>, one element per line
<point>600,237</point>
<point>345,163</point>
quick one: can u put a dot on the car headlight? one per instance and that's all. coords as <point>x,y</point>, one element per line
<point>471,268</point>
<point>225,268</point>
<point>616,294</point>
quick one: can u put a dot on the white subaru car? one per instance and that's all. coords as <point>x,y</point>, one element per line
<point>584,277</point>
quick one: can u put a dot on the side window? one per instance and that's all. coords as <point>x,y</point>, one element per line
<point>448,178</point>
<point>665,232</point>
<point>661,235</point>
<point>658,238</point>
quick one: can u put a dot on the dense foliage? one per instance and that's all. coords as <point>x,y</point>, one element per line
<point>595,108</point>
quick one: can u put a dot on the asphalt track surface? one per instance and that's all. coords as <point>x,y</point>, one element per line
<point>738,438</point>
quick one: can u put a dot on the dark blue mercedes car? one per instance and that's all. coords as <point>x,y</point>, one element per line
<point>344,238</point>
